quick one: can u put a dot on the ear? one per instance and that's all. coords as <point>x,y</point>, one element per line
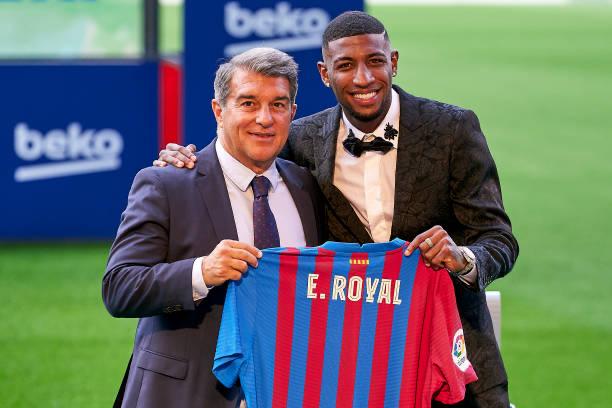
<point>323,72</point>
<point>293,110</point>
<point>218,112</point>
<point>394,60</point>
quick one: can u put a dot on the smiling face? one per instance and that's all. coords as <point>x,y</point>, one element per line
<point>360,70</point>
<point>254,123</point>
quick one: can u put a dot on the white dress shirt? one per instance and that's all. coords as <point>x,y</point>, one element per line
<point>238,178</point>
<point>368,181</point>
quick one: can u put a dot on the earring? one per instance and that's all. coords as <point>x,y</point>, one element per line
<point>394,73</point>
<point>326,84</point>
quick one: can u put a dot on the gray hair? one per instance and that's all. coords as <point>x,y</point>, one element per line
<point>266,61</point>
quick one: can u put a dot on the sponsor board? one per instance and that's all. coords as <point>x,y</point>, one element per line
<point>70,152</point>
<point>75,136</point>
<point>295,27</point>
<point>279,27</point>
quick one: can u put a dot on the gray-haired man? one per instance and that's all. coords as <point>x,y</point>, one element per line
<point>185,234</point>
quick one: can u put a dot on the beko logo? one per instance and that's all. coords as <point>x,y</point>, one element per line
<point>67,152</point>
<point>279,27</point>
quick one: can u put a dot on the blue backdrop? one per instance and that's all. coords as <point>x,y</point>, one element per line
<point>217,30</point>
<point>75,136</point>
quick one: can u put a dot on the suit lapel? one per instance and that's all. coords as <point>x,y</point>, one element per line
<point>303,202</point>
<point>325,150</point>
<point>325,159</point>
<point>410,148</point>
<point>213,193</point>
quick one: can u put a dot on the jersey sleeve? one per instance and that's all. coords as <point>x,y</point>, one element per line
<point>236,331</point>
<point>452,370</point>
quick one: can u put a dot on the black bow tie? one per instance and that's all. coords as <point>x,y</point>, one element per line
<point>356,146</point>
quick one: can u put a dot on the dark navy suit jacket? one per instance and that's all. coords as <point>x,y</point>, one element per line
<point>172,217</point>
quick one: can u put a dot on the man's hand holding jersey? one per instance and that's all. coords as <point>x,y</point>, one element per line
<point>437,247</point>
<point>228,261</point>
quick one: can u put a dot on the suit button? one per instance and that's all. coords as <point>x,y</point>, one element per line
<point>173,308</point>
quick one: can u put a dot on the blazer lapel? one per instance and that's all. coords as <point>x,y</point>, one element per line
<point>213,193</point>
<point>411,144</point>
<point>303,202</point>
<point>325,150</point>
<point>325,158</point>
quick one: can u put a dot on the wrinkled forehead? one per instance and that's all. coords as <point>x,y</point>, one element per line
<point>251,84</point>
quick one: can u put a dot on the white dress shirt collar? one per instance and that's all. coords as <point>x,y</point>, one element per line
<point>237,178</point>
<point>392,117</point>
<point>239,174</point>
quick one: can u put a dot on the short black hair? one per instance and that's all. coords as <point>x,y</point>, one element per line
<point>351,23</point>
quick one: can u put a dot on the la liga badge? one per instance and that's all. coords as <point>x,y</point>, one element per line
<point>460,351</point>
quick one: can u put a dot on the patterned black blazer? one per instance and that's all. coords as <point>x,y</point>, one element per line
<point>445,175</point>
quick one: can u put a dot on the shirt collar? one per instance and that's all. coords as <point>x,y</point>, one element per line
<point>392,117</point>
<point>238,173</point>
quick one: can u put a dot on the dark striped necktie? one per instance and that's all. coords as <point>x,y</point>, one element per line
<point>264,225</point>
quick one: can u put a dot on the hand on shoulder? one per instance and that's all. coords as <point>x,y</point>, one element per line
<point>177,156</point>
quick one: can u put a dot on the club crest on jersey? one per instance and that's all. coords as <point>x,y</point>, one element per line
<point>460,351</point>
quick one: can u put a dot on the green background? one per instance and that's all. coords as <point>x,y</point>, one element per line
<point>540,80</point>
<point>71,28</point>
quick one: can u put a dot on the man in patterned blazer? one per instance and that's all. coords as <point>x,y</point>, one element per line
<point>391,164</point>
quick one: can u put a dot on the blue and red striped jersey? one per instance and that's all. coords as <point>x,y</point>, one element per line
<point>343,325</point>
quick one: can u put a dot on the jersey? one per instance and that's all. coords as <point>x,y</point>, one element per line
<point>343,325</point>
